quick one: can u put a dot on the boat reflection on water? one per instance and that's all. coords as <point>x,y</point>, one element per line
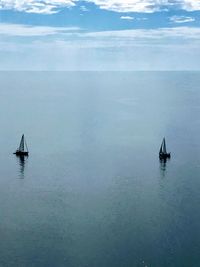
<point>22,162</point>
<point>163,166</point>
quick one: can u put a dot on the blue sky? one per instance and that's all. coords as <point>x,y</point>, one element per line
<point>99,35</point>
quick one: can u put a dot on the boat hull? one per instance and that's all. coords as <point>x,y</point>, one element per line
<point>164,155</point>
<point>21,153</point>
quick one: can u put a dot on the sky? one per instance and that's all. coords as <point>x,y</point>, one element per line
<point>99,35</point>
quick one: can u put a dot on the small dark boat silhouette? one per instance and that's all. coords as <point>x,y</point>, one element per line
<point>23,148</point>
<point>163,151</point>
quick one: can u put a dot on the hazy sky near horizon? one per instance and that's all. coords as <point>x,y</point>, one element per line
<point>99,35</point>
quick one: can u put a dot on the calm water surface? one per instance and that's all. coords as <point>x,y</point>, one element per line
<point>93,193</point>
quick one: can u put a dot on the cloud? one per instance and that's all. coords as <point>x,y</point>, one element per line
<point>181,19</point>
<point>84,8</point>
<point>146,6</point>
<point>127,17</point>
<point>132,18</point>
<point>36,6</point>
<point>140,19</point>
<point>160,34</point>
<point>7,29</point>
<point>191,5</point>
<point>143,6</point>
<point>131,35</point>
<point>72,49</point>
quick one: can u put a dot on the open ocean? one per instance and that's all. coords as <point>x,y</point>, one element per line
<point>93,192</point>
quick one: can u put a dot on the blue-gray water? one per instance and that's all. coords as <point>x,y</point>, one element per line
<point>92,192</point>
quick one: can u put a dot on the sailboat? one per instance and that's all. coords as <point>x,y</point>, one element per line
<point>163,151</point>
<point>23,149</point>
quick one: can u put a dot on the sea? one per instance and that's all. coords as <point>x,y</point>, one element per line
<point>93,192</point>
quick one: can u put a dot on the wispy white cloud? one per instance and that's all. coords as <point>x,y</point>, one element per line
<point>190,5</point>
<point>181,19</point>
<point>71,49</point>
<point>96,55</point>
<point>36,6</point>
<point>53,6</point>
<point>140,19</point>
<point>146,6</point>
<point>28,31</point>
<point>59,33</point>
<point>84,8</point>
<point>143,6</point>
<point>132,18</point>
<point>166,35</point>
<point>127,17</point>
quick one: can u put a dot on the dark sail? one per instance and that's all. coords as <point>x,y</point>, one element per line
<point>163,151</point>
<point>23,149</point>
<point>21,146</point>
